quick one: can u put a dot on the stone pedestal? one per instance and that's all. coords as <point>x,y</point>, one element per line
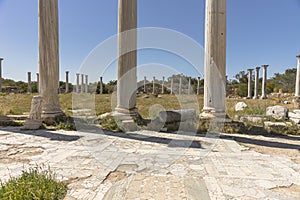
<point>67,82</point>
<point>297,85</point>
<point>127,61</point>
<point>1,74</point>
<point>29,82</point>
<point>35,117</point>
<point>249,96</point>
<point>215,59</point>
<point>264,82</point>
<point>77,83</point>
<point>49,59</point>
<point>256,83</point>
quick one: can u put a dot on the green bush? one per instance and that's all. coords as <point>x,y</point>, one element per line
<point>35,183</point>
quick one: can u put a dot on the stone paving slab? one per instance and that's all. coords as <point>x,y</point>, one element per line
<point>150,165</point>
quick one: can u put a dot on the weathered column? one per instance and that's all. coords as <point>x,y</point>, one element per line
<point>49,59</point>
<point>38,82</point>
<point>82,83</point>
<point>127,54</point>
<point>172,91</point>
<point>153,85</point>
<point>86,84</point>
<point>264,82</point>
<point>101,85</point>
<point>67,82</point>
<point>145,89</point>
<point>215,58</point>
<point>1,74</point>
<point>77,83</point>
<point>29,82</point>
<point>297,85</point>
<point>256,83</point>
<point>180,85</point>
<point>198,86</point>
<point>189,87</point>
<point>249,96</point>
<point>163,85</point>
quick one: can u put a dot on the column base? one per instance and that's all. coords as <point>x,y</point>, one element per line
<point>255,97</point>
<point>263,97</point>
<point>52,117</point>
<point>126,119</point>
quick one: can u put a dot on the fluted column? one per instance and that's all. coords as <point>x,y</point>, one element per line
<point>67,82</point>
<point>215,58</point>
<point>1,74</point>
<point>297,85</point>
<point>29,82</point>
<point>163,85</point>
<point>127,54</point>
<point>249,96</point>
<point>256,83</point>
<point>49,59</point>
<point>101,85</point>
<point>77,83</point>
<point>264,82</point>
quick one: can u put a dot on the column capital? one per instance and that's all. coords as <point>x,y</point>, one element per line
<point>257,68</point>
<point>77,74</point>
<point>1,59</point>
<point>265,66</point>
<point>249,70</point>
<point>67,72</point>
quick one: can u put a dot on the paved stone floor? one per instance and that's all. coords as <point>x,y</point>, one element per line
<point>151,165</point>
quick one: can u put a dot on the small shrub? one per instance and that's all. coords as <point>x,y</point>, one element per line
<point>35,183</point>
<point>109,123</point>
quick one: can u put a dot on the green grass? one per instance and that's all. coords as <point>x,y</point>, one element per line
<point>35,183</point>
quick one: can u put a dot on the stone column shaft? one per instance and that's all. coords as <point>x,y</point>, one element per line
<point>256,83</point>
<point>172,91</point>
<point>127,54</point>
<point>249,96</point>
<point>77,83</point>
<point>153,85</point>
<point>67,82</point>
<point>180,85</point>
<point>82,83</point>
<point>86,84</point>
<point>29,82</point>
<point>264,82</point>
<point>163,86</point>
<point>297,85</point>
<point>101,85</point>
<point>145,89</point>
<point>1,74</point>
<point>49,58</point>
<point>215,57</point>
<point>198,86</point>
<point>189,87</point>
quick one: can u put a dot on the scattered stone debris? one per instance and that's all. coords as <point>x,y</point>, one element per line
<point>240,106</point>
<point>277,112</point>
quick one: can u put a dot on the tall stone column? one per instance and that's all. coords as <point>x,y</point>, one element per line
<point>145,89</point>
<point>153,85</point>
<point>82,83</point>
<point>163,85</point>
<point>101,85</point>
<point>49,59</point>
<point>264,82</point>
<point>172,91</point>
<point>127,54</point>
<point>180,85</point>
<point>198,86</point>
<point>86,84</point>
<point>29,82</point>
<point>297,85</point>
<point>77,83</point>
<point>189,87</point>
<point>38,82</point>
<point>1,74</point>
<point>256,83</point>
<point>215,58</point>
<point>67,82</point>
<point>249,96</point>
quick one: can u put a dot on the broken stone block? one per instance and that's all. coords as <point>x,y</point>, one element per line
<point>277,112</point>
<point>35,117</point>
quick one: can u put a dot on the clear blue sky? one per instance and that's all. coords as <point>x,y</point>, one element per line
<point>258,32</point>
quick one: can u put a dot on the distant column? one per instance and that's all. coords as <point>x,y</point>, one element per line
<point>29,82</point>
<point>249,83</point>
<point>38,82</point>
<point>1,74</point>
<point>264,82</point>
<point>153,85</point>
<point>86,84</point>
<point>297,87</point>
<point>67,82</point>
<point>256,83</point>
<point>180,85</point>
<point>172,91</point>
<point>77,83</point>
<point>101,85</point>
<point>189,87</point>
<point>163,85</point>
<point>82,83</point>
<point>145,89</point>
<point>198,86</point>
<point>49,59</point>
